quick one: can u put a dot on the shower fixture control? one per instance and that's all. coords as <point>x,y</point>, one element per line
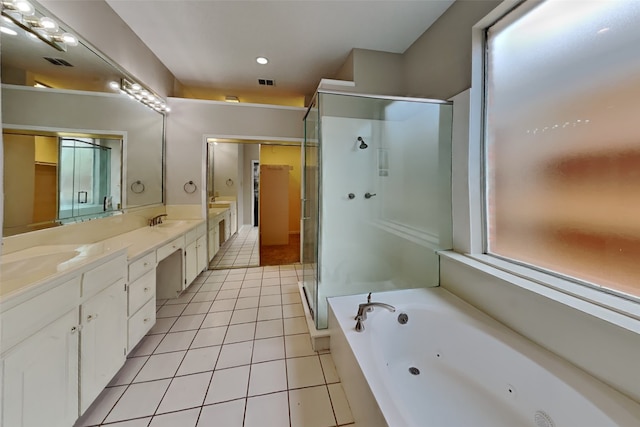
<point>363,144</point>
<point>351,196</point>
<point>369,195</point>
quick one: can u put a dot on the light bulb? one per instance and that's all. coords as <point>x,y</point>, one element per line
<point>114,85</point>
<point>69,39</point>
<point>262,60</point>
<point>136,86</point>
<point>24,7</point>
<point>48,24</point>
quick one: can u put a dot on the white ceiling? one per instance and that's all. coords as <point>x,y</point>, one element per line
<point>214,44</point>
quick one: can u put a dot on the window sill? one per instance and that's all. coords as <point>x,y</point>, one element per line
<point>608,307</point>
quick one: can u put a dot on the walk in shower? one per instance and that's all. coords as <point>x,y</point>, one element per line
<point>377,195</point>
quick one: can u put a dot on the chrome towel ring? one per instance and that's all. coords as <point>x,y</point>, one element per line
<point>190,187</point>
<point>137,187</point>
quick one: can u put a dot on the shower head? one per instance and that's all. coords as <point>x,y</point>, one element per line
<point>363,145</point>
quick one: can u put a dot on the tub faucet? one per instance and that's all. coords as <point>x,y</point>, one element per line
<point>156,220</point>
<point>366,307</point>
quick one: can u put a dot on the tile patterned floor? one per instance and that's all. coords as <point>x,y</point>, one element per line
<point>232,351</point>
<point>241,250</point>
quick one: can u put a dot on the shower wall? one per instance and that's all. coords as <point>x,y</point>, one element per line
<point>388,241</point>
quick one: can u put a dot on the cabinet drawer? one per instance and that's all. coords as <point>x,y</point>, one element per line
<point>140,323</point>
<point>191,236</point>
<point>29,317</point>
<point>93,281</point>
<point>141,290</point>
<point>141,266</point>
<point>169,248</point>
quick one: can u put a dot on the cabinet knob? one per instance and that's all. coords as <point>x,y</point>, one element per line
<point>146,289</point>
<point>146,320</point>
<point>74,330</point>
<point>146,264</point>
<point>91,317</point>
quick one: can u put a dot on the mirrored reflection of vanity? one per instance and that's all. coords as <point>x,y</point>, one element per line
<point>75,148</point>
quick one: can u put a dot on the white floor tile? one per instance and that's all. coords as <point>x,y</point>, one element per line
<point>340,404</point>
<point>228,384</point>
<point>187,418</point>
<point>230,294</point>
<point>222,305</point>
<point>266,300</point>
<point>235,355</point>
<point>298,345</point>
<point>269,410</point>
<point>147,345</point>
<point>270,313</point>
<point>199,360</point>
<point>291,299</point>
<point>254,283</point>
<point>211,286</point>
<point>185,298</point>
<point>290,280</point>
<point>295,325</point>
<point>205,296</point>
<point>304,372</point>
<point>209,336</point>
<point>267,377</point>
<point>138,422</point>
<point>329,369</point>
<point>269,290</point>
<point>268,349</point>
<point>240,332</point>
<point>160,366</point>
<point>162,325</point>
<point>187,322</point>
<point>289,289</point>
<point>247,302</point>
<point>220,318</point>
<point>292,310</point>
<point>101,406</point>
<point>140,400</point>
<point>244,316</point>
<point>186,392</point>
<point>253,276</point>
<point>172,310</point>
<point>128,372</point>
<point>269,328</point>
<point>228,414</point>
<point>197,308</point>
<point>311,407</point>
<point>249,292</point>
<point>175,341</point>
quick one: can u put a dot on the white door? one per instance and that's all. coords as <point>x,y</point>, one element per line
<point>40,386</point>
<point>103,340</point>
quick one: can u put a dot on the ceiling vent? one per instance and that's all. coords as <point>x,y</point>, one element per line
<point>58,61</point>
<point>266,82</point>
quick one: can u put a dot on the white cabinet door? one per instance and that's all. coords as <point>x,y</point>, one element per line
<point>103,340</point>
<point>40,386</point>
<point>191,263</point>
<point>201,249</point>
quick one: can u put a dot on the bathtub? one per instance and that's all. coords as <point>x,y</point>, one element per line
<point>452,366</point>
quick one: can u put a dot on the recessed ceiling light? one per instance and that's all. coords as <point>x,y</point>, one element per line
<point>262,60</point>
<point>8,31</point>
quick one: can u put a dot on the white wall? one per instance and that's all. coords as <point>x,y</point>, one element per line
<point>225,169</point>
<point>96,22</point>
<point>190,120</point>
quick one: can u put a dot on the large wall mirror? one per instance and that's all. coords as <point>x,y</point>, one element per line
<point>75,147</point>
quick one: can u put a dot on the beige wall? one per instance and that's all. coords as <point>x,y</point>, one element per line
<point>378,72</point>
<point>190,121</point>
<point>281,155</point>
<point>19,179</point>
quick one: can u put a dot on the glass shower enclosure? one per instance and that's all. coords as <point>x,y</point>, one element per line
<point>376,195</point>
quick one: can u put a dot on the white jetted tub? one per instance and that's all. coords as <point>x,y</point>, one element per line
<point>450,365</point>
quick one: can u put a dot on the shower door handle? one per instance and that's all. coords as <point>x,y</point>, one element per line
<point>369,195</point>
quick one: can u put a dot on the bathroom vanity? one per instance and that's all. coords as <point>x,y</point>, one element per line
<point>70,314</point>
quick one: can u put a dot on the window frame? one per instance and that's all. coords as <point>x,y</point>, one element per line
<point>604,303</point>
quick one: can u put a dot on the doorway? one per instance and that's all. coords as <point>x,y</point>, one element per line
<point>255,199</point>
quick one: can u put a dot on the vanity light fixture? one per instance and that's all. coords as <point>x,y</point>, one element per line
<point>23,14</point>
<point>135,91</point>
<point>262,60</point>
<point>231,99</point>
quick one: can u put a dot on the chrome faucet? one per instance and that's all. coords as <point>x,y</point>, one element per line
<point>156,220</point>
<point>367,307</point>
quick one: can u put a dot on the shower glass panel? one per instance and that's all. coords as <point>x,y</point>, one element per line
<point>383,190</point>
<point>309,240</point>
<point>84,181</point>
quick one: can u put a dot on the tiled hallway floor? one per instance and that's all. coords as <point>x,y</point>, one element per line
<point>241,250</point>
<point>232,351</point>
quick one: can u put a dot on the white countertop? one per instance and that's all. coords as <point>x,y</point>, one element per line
<point>28,272</point>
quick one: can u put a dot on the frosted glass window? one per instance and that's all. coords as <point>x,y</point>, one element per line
<point>563,140</point>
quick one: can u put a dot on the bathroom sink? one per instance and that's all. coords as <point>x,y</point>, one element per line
<point>39,265</point>
<point>170,224</point>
